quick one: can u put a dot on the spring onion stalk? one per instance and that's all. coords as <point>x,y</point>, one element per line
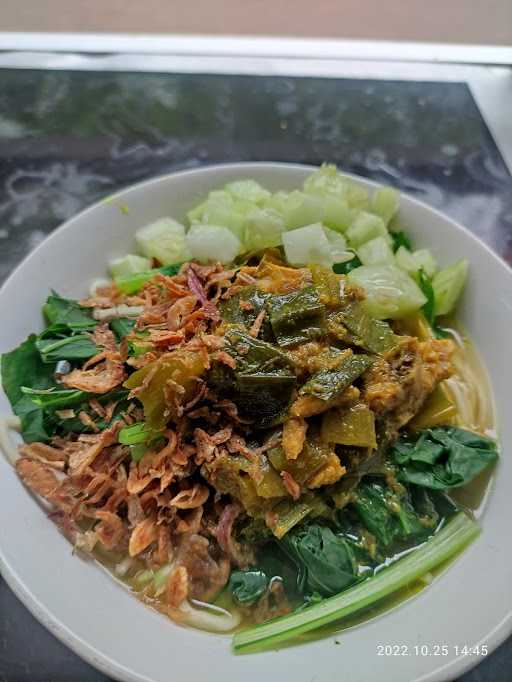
<point>130,284</point>
<point>134,434</point>
<point>456,535</point>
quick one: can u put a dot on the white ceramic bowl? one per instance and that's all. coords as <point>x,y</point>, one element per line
<point>469,603</point>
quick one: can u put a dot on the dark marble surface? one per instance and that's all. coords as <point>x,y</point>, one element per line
<point>67,139</point>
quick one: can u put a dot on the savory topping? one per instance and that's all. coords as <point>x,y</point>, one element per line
<point>272,425</point>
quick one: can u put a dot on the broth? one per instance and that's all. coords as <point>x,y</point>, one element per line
<point>470,390</point>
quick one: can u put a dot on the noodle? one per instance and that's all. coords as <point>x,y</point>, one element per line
<point>469,388</point>
<point>209,617</point>
<point>8,424</point>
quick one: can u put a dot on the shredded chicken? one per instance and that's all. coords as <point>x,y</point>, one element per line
<point>330,472</point>
<point>256,325</point>
<point>294,435</point>
<point>397,385</point>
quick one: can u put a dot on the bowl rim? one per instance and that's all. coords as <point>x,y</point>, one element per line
<point>77,644</point>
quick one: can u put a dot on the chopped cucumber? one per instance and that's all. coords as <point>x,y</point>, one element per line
<point>405,260</point>
<point>195,215</point>
<point>390,292</point>
<point>297,208</point>
<point>339,251</point>
<point>307,246</point>
<point>164,240</point>
<point>448,285</point>
<point>426,261</point>
<point>212,243</point>
<point>376,251</point>
<point>248,190</point>
<point>366,226</point>
<point>221,208</point>
<point>385,202</point>
<point>337,213</point>
<point>357,197</point>
<point>263,229</point>
<point>326,181</point>
<point>130,264</point>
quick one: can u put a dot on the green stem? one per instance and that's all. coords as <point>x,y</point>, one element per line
<point>130,284</point>
<point>449,541</point>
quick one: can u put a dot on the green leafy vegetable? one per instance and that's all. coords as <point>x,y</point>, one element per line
<point>254,355</point>
<point>65,316</point>
<point>77,347</point>
<point>425,284</point>
<point>443,457</point>
<point>73,424</point>
<point>23,367</point>
<point>373,335</point>
<point>248,586</point>
<point>264,397</point>
<point>122,326</point>
<point>54,398</point>
<point>455,536</point>
<point>255,301</point>
<point>387,516</point>
<point>328,383</point>
<point>296,317</point>
<point>262,383</point>
<point>325,562</point>
<point>400,239</point>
